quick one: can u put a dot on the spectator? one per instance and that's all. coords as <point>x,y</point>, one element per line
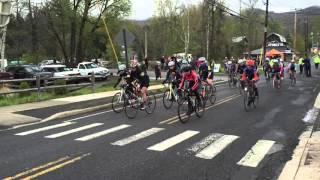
<point>307,66</point>
<point>157,70</point>
<point>146,62</point>
<point>162,60</point>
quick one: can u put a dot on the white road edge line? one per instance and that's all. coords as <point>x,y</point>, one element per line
<point>256,154</point>
<point>137,137</point>
<point>173,141</point>
<point>44,128</point>
<point>73,130</point>
<point>102,133</point>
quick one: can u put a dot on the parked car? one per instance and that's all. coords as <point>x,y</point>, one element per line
<point>27,71</point>
<point>87,68</point>
<point>59,70</point>
<point>6,76</point>
<point>48,62</point>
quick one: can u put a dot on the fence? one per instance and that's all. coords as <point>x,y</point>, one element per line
<point>38,88</point>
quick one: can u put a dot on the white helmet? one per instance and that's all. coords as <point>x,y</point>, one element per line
<point>171,63</point>
<point>122,67</point>
<point>229,62</point>
<point>202,59</point>
<point>292,61</point>
<point>281,60</point>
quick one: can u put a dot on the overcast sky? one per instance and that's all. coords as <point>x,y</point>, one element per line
<point>144,9</point>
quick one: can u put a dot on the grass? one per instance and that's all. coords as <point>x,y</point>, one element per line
<point>33,97</point>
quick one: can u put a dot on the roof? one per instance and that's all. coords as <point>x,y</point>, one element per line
<point>53,66</point>
<point>282,38</point>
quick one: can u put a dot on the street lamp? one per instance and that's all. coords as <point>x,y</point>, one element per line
<point>5,12</point>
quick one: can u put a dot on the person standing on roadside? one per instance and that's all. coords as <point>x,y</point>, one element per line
<point>316,60</point>
<point>307,66</point>
<point>146,62</point>
<point>301,64</point>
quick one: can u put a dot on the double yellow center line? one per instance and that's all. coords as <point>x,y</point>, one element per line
<point>46,168</point>
<point>176,118</point>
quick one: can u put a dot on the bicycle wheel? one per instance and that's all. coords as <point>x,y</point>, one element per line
<point>200,107</point>
<point>212,94</point>
<point>167,99</point>
<point>151,104</point>
<point>246,103</point>
<point>118,102</point>
<point>132,107</point>
<point>184,111</point>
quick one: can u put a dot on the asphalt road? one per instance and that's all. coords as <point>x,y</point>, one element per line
<point>226,144</point>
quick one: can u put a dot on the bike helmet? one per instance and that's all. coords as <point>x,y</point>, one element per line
<point>187,68</point>
<point>171,64</point>
<point>202,59</point>
<point>250,62</point>
<point>122,67</point>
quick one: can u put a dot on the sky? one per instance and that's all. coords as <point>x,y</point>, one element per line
<point>144,9</point>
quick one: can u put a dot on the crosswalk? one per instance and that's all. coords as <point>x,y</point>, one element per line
<point>207,148</point>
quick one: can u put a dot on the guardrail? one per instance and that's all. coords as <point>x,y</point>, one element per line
<point>38,88</point>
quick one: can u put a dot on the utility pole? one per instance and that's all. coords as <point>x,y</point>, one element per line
<point>265,30</point>
<point>145,43</point>
<point>212,27</point>
<point>306,34</point>
<point>295,30</point>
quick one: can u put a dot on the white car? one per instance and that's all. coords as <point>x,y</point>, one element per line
<point>87,68</point>
<point>60,70</point>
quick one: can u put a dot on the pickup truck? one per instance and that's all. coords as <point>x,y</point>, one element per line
<point>87,68</point>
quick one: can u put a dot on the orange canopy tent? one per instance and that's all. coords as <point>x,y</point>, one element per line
<point>273,52</point>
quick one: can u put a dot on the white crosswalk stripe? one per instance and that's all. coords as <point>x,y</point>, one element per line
<point>173,141</point>
<point>102,133</point>
<point>137,137</point>
<point>44,128</point>
<point>216,147</point>
<point>256,154</point>
<point>204,142</point>
<point>74,130</point>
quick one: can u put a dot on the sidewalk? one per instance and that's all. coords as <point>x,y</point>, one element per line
<point>305,162</point>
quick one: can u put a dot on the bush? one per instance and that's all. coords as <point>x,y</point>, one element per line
<point>24,85</point>
<point>62,90</point>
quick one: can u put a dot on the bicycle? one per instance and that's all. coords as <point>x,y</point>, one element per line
<point>118,100</point>
<point>250,98</point>
<point>209,92</point>
<point>232,80</point>
<point>190,105</point>
<point>276,80</point>
<point>135,102</point>
<point>170,95</point>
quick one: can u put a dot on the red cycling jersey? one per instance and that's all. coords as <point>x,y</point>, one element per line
<point>192,77</point>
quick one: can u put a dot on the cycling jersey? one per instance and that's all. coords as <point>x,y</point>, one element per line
<point>250,74</point>
<point>193,79</point>
<point>141,77</point>
<point>203,71</point>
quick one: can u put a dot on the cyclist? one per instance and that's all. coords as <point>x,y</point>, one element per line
<point>267,68</point>
<point>203,69</point>
<point>292,68</point>
<point>123,73</point>
<point>276,69</point>
<point>173,75</point>
<point>142,79</point>
<point>281,68</point>
<point>191,76</point>
<point>250,73</point>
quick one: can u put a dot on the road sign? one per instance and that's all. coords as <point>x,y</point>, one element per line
<point>130,37</point>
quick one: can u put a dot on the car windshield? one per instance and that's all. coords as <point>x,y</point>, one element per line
<point>91,66</point>
<point>32,69</point>
<point>62,69</point>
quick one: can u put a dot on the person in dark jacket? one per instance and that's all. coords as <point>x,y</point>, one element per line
<point>157,71</point>
<point>307,66</point>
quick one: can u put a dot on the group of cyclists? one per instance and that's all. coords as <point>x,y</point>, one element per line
<point>186,76</point>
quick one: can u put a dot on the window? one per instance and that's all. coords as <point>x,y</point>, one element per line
<point>91,66</point>
<point>82,66</point>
